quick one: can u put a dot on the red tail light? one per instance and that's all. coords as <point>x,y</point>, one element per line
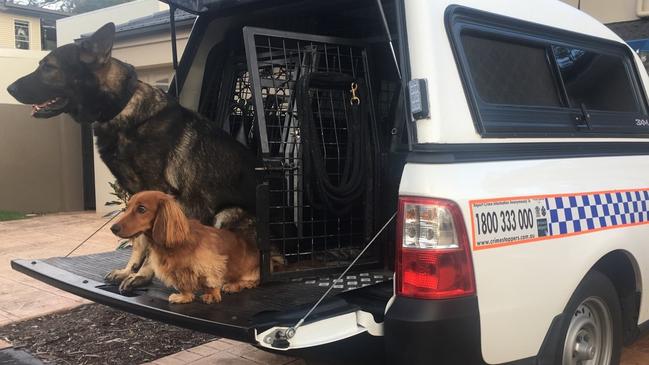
<point>433,257</point>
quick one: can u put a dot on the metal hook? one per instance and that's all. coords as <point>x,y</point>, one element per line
<point>354,99</point>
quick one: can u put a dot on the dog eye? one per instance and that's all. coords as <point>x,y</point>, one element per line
<point>141,209</point>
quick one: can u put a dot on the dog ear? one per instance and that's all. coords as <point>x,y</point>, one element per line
<point>170,227</point>
<point>96,49</point>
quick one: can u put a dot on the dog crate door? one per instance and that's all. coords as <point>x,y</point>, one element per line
<point>310,158</point>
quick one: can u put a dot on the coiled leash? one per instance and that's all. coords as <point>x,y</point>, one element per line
<point>282,337</point>
<point>114,214</point>
<point>334,196</point>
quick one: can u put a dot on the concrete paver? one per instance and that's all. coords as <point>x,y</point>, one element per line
<point>203,350</point>
<point>633,357</point>
<point>224,358</point>
<point>186,357</point>
<point>22,297</point>
<point>225,351</point>
<point>263,357</point>
<point>4,344</point>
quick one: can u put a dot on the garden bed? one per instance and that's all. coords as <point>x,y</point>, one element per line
<point>96,334</point>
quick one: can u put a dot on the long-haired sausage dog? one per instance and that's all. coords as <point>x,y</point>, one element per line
<point>186,254</point>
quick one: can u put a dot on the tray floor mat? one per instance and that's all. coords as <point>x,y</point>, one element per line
<point>236,308</point>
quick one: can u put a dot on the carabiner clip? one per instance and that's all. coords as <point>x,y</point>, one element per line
<point>354,99</point>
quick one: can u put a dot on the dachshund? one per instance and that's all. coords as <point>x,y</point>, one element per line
<point>186,254</point>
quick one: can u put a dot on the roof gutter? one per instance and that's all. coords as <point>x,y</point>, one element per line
<point>186,23</point>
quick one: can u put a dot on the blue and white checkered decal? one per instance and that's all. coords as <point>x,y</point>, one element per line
<point>580,213</point>
<point>509,221</point>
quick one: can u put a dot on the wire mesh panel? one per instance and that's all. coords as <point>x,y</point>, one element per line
<point>228,101</point>
<point>308,234</point>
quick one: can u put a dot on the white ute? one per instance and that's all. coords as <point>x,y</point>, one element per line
<point>510,138</point>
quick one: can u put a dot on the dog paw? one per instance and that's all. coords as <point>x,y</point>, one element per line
<point>116,276</point>
<point>211,298</point>
<point>181,298</point>
<point>133,281</point>
<point>232,288</point>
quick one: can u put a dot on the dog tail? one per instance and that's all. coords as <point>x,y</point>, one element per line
<point>244,224</point>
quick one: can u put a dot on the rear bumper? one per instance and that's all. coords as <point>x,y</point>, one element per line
<point>436,332</point>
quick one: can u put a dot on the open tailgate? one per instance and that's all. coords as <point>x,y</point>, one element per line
<point>242,316</point>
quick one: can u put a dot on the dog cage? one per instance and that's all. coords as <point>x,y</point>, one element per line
<point>292,217</point>
<point>256,100</point>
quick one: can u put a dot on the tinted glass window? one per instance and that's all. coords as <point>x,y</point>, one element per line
<point>511,73</point>
<point>526,79</point>
<point>598,81</point>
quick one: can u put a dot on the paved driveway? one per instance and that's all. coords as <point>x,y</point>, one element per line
<point>22,297</point>
<point>54,235</point>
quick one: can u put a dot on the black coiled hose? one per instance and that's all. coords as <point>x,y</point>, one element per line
<point>336,197</point>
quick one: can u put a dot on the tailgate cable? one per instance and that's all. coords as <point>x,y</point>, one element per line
<point>282,337</point>
<point>113,213</point>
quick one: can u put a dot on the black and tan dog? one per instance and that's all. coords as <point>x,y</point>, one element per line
<point>145,137</point>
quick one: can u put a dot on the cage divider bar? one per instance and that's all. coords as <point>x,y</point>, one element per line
<point>263,231</point>
<point>376,166</point>
<point>255,87</point>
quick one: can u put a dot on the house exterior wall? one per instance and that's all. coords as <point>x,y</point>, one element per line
<point>7,39</point>
<point>607,11</point>
<point>71,28</point>
<point>151,50</point>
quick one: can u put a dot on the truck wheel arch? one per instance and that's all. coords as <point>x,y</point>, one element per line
<point>621,267</point>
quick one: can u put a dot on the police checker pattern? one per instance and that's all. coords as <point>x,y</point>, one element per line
<point>580,213</point>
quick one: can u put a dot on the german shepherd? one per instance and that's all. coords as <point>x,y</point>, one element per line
<point>145,137</point>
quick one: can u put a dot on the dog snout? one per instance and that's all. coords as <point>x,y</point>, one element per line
<point>12,89</point>
<point>115,228</point>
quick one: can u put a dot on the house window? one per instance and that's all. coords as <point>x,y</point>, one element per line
<point>21,33</point>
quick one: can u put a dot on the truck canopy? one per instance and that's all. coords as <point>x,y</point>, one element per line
<point>208,6</point>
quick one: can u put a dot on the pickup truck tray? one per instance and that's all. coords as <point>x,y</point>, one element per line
<point>239,316</point>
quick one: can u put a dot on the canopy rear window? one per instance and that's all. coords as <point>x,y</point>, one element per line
<point>525,79</point>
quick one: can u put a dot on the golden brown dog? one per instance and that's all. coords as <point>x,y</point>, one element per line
<point>186,254</point>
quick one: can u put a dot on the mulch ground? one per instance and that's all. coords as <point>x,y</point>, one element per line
<point>96,334</point>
